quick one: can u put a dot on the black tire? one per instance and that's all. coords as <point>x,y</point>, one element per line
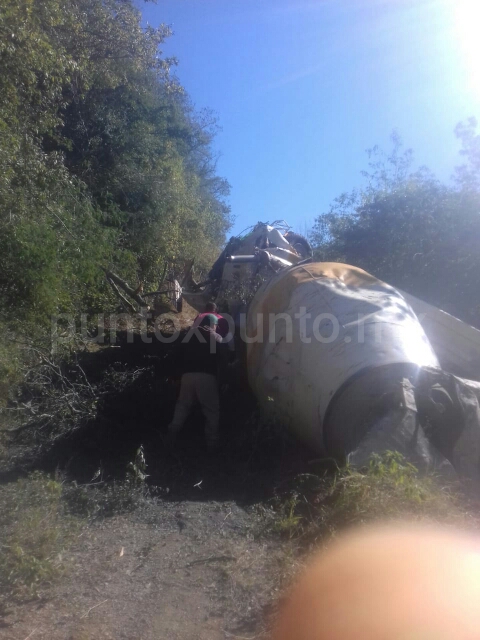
<point>300,244</point>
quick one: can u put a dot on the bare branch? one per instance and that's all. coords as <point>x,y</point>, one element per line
<point>119,295</point>
<point>126,287</point>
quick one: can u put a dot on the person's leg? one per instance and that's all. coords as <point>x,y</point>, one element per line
<point>207,395</point>
<point>184,404</point>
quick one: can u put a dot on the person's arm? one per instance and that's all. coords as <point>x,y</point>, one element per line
<point>212,332</point>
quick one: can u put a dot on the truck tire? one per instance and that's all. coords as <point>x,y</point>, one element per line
<point>300,244</point>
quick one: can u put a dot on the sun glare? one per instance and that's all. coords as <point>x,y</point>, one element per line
<point>466,15</point>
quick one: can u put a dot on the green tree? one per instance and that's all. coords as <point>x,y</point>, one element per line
<point>103,161</point>
<point>410,230</point>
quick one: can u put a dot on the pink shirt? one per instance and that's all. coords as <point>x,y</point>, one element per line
<point>222,327</point>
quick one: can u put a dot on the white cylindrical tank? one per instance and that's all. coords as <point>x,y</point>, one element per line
<point>312,328</point>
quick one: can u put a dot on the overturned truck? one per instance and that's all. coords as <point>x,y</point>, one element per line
<point>350,364</point>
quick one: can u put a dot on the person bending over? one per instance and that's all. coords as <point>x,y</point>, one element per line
<point>199,363</point>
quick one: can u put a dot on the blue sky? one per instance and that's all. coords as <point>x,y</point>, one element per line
<point>302,88</point>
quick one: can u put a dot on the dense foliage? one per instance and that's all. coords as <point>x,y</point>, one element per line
<point>103,161</point>
<point>412,231</point>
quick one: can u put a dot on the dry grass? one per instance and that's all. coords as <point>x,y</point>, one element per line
<point>35,531</point>
<point>390,489</point>
<point>40,519</point>
<point>247,576</point>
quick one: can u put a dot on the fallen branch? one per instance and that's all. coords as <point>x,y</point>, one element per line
<point>92,608</point>
<point>121,297</point>
<point>187,272</point>
<point>156,293</point>
<point>126,287</point>
<point>232,635</point>
<point>162,279</point>
<point>211,559</point>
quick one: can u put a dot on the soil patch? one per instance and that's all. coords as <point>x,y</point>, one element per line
<point>190,570</point>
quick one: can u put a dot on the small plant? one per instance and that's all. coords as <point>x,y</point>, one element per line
<point>109,498</point>
<point>136,469</point>
<point>288,520</point>
<point>392,466</point>
<point>389,488</point>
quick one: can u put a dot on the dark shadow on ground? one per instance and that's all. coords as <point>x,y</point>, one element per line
<point>135,408</point>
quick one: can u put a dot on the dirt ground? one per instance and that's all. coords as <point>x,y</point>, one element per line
<point>194,563</point>
<point>205,556</point>
<point>189,571</point>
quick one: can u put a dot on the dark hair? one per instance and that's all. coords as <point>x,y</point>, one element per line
<point>211,307</point>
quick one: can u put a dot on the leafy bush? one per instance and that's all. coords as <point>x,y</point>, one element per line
<point>103,161</point>
<point>9,365</point>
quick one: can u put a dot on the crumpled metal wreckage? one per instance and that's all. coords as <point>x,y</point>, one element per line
<point>347,362</point>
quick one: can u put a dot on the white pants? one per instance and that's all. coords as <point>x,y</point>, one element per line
<point>201,388</point>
